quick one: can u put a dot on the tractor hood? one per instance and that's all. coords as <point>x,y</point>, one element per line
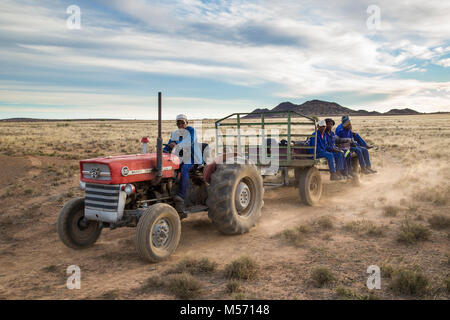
<point>126,168</point>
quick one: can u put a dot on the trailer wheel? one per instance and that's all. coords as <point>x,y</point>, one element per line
<point>356,170</point>
<point>310,186</point>
<point>73,230</point>
<point>235,198</point>
<point>158,232</point>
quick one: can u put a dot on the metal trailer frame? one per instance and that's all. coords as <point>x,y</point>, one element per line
<point>293,160</point>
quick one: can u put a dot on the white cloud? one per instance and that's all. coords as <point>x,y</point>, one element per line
<point>444,62</point>
<point>331,49</point>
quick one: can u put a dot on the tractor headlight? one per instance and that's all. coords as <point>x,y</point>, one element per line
<point>129,189</point>
<point>83,185</point>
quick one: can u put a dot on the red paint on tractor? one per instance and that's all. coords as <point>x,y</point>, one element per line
<point>133,162</point>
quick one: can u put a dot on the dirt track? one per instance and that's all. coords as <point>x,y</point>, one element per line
<point>33,260</point>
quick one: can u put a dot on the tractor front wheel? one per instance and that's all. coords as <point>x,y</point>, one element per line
<point>73,229</point>
<point>158,232</point>
<point>310,186</point>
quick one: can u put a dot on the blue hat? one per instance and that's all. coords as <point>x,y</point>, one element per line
<point>345,120</point>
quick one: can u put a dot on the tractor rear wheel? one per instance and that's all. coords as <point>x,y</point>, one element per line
<point>310,186</point>
<point>235,197</point>
<point>158,232</point>
<point>75,231</point>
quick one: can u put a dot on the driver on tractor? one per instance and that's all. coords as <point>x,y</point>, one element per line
<point>183,142</point>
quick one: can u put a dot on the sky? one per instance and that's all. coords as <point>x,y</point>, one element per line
<point>213,58</point>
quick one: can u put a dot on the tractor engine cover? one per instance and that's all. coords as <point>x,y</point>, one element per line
<point>126,168</point>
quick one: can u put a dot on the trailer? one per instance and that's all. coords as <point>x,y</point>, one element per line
<point>278,152</point>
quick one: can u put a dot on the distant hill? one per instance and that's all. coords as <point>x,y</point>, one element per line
<point>401,112</point>
<point>324,108</point>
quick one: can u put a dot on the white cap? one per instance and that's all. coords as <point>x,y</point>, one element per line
<point>181,117</point>
<point>321,123</point>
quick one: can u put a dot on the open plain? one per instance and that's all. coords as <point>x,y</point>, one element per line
<point>398,219</point>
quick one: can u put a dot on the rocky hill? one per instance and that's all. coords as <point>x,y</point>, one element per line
<point>324,108</point>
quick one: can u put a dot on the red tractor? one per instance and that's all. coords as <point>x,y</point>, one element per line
<point>138,191</point>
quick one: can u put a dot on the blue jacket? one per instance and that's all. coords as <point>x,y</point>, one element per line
<point>330,139</point>
<point>321,143</point>
<point>186,138</point>
<point>342,132</point>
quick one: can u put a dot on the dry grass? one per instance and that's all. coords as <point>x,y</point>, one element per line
<point>365,227</point>
<point>325,223</point>
<point>184,286</point>
<point>409,282</point>
<point>321,276</point>
<point>411,233</point>
<point>233,286</point>
<point>390,211</point>
<point>295,236</point>
<point>244,268</point>
<point>348,294</point>
<point>194,266</point>
<point>439,221</point>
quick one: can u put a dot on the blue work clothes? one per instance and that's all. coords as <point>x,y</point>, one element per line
<point>186,140</point>
<point>359,148</point>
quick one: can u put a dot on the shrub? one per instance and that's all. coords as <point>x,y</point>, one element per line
<point>321,276</point>
<point>390,211</point>
<point>194,266</point>
<point>409,282</point>
<point>233,286</point>
<point>348,294</point>
<point>152,283</point>
<point>295,236</point>
<point>184,286</point>
<point>242,268</point>
<point>412,232</point>
<point>447,284</point>
<point>386,271</point>
<point>325,223</point>
<point>365,227</point>
<point>439,221</point>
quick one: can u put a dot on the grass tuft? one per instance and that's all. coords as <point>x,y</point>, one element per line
<point>322,276</point>
<point>409,282</point>
<point>348,294</point>
<point>411,233</point>
<point>184,286</point>
<point>244,268</point>
<point>365,227</point>
<point>325,223</point>
<point>439,221</point>
<point>390,211</point>
<point>194,266</point>
<point>233,286</point>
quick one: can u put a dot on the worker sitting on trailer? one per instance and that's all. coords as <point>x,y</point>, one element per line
<point>344,130</point>
<point>322,150</point>
<point>343,159</point>
<point>184,140</point>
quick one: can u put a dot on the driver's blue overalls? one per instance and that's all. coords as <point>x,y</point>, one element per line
<point>186,140</point>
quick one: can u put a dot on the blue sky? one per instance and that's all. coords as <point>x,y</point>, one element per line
<point>212,58</point>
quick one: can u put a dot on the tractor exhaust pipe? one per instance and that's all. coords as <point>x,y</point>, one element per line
<point>158,178</point>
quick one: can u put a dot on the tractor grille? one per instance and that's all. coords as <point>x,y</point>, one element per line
<point>102,197</point>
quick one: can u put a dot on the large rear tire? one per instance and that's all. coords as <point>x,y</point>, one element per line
<point>310,186</point>
<point>73,230</point>
<point>235,198</point>
<point>158,232</point>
